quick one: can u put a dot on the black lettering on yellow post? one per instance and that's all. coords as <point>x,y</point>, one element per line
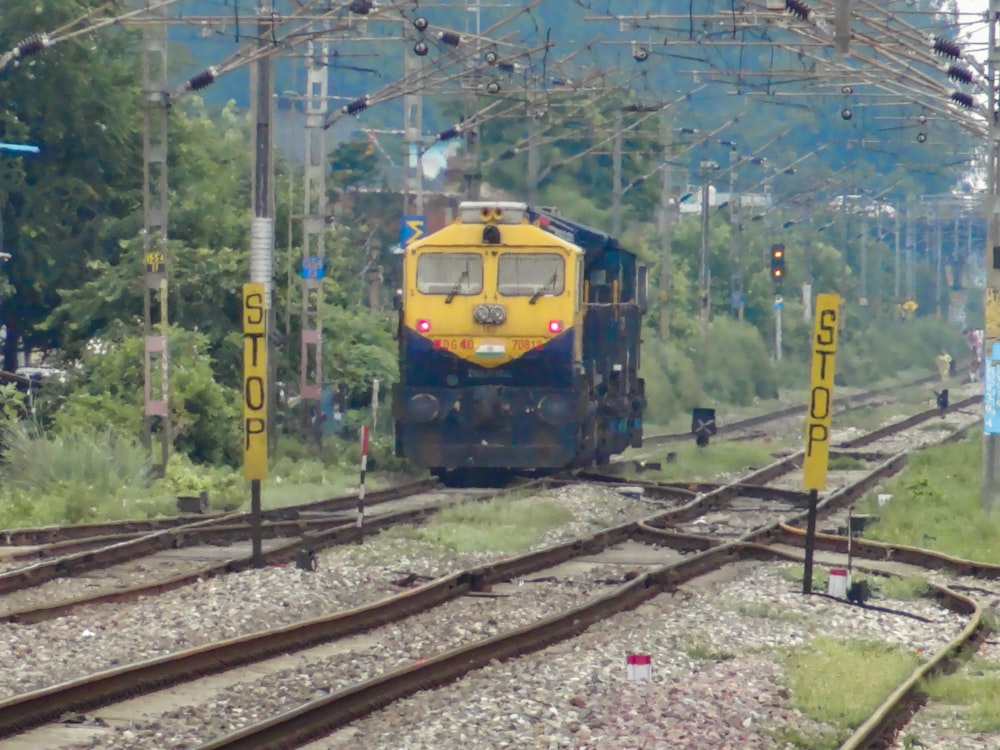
<point>254,383</point>
<point>824,350</point>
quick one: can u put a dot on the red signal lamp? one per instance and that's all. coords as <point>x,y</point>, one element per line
<point>423,325</point>
<point>555,326</point>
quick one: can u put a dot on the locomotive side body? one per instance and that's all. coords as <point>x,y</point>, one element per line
<point>495,338</point>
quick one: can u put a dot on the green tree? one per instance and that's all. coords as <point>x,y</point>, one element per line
<point>79,102</point>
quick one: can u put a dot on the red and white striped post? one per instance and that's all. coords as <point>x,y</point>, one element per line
<point>361,488</point>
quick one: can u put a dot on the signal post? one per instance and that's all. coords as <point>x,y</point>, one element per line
<point>816,455</point>
<point>777,276</point>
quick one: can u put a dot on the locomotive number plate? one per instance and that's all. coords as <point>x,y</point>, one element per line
<point>454,344</point>
<point>524,345</point>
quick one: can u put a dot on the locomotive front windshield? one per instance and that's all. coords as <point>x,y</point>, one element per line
<point>450,273</point>
<point>534,274</point>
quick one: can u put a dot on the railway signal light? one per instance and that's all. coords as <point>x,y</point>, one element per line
<point>777,264</point>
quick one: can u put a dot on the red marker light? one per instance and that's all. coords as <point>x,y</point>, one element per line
<point>778,272</point>
<point>423,326</point>
<point>555,326</point>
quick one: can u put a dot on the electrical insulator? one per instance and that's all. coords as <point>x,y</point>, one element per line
<point>449,134</point>
<point>420,23</point>
<point>947,48</point>
<point>846,113</point>
<point>491,57</point>
<point>960,73</point>
<point>798,9</point>
<point>450,38</point>
<point>493,87</point>
<point>32,45</point>
<point>204,79</point>
<point>420,49</point>
<point>358,105</point>
<point>963,100</point>
<point>361,7</point>
<point>921,137</point>
<point>846,90</point>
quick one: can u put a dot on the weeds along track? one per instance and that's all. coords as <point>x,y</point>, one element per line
<point>659,561</point>
<point>744,429</point>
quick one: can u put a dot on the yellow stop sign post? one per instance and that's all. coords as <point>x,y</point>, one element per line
<point>816,454</point>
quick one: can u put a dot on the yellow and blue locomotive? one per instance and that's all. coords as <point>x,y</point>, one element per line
<point>519,343</point>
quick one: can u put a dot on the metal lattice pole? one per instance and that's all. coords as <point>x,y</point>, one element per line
<point>991,305</point>
<point>413,126</point>
<point>154,214</point>
<point>314,223</point>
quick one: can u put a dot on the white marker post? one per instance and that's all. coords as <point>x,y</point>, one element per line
<point>361,488</point>
<point>640,667</point>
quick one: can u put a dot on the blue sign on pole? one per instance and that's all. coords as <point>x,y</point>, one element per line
<point>779,304</point>
<point>19,147</point>
<point>991,393</point>
<point>412,229</point>
<point>313,267</point>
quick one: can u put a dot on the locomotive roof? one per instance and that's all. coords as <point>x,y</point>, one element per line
<point>587,237</point>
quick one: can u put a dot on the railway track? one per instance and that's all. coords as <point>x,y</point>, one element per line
<point>321,716</point>
<point>745,428</point>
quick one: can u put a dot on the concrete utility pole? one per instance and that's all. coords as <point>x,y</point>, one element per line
<point>910,243</point>
<point>314,226</point>
<point>616,179</point>
<point>895,259</point>
<point>155,202</point>
<point>666,220</point>
<point>991,303</point>
<point>533,134</point>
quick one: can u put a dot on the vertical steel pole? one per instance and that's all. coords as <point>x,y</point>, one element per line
<point>413,127</point>
<point>703,290</point>
<point>895,261</point>
<point>533,127</point>
<point>991,303</point>
<point>616,179</point>
<point>666,216</point>
<point>155,203</point>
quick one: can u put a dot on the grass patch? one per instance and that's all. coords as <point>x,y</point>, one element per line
<point>841,682</point>
<point>501,525</point>
<point>900,589</point>
<point>796,574</point>
<point>706,464</point>
<point>936,504</point>
<point>976,689</point>
<point>845,463</point>
<point>700,647</point>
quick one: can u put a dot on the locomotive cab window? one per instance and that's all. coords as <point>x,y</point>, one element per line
<point>450,273</point>
<point>531,274</point>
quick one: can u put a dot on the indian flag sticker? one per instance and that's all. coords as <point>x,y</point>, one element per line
<point>491,348</point>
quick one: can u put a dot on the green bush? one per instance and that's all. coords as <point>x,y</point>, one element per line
<point>735,365</point>
<point>71,477</point>
<point>672,382</point>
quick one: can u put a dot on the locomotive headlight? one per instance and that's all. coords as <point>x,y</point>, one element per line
<point>481,314</point>
<point>423,325</point>
<point>555,326</point>
<point>423,407</point>
<point>497,314</point>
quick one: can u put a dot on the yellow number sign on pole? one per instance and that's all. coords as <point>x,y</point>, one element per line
<point>824,350</point>
<point>254,383</point>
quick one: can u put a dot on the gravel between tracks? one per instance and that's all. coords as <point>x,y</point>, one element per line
<point>717,680</point>
<point>108,635</point>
